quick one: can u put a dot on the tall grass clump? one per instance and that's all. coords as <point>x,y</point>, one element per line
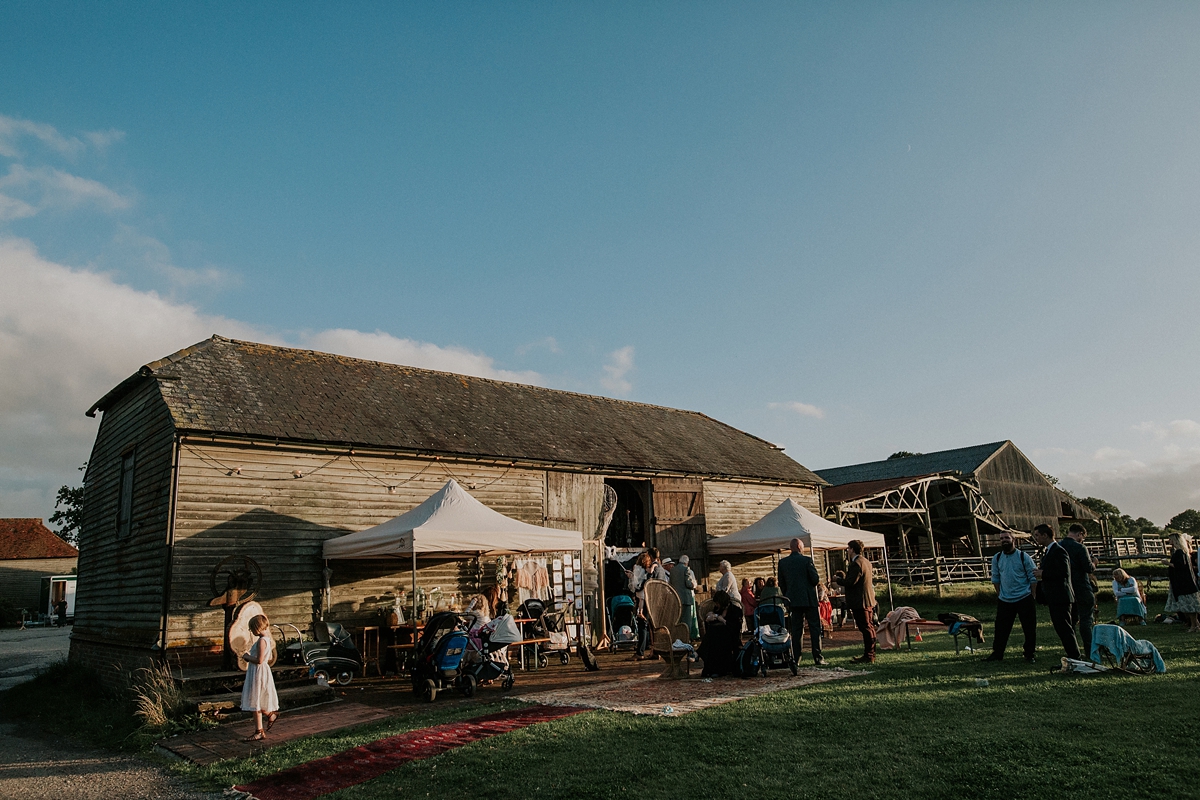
<point>157,699</point>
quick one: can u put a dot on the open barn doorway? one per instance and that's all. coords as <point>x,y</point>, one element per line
<point>629,527</point>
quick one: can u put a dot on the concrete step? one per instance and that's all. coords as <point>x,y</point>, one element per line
<point>292,697</point>
<point>199,684</point>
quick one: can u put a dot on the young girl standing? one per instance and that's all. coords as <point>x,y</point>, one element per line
<point>258,693</point>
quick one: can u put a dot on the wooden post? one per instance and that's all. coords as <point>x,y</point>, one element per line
<point>937,566</point>
<point>975,540</point>
<point>904,551</point>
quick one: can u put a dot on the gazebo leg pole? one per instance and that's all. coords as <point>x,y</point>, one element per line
<point>888,572</point>
<point>414,591</point>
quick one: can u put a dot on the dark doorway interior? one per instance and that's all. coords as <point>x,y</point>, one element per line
<point>628,528</point>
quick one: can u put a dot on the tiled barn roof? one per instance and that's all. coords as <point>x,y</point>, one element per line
<point>28,537</point>
<point>242,388</point>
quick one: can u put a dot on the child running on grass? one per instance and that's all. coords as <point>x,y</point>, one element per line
<point>258,693</point>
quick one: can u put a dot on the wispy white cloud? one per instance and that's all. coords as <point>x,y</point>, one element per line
<point>25,192</point>
<point>13,130</point>
<point>381,346</point>
<point>617,369</point>
<point>1111,454</point>
<point>131,247</point>
<point>803,409</point>
<point>548,343</point>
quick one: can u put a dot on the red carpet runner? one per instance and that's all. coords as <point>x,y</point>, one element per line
<point>369,761</point>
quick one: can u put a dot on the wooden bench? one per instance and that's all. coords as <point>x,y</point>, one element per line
<point>964,630</point>
<point>537,643</point>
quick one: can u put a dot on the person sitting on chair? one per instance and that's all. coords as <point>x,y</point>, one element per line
<point>722,637</point>
<point>1128,594</point>
<point>770,589</point>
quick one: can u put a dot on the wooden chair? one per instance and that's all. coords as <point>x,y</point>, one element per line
<point>366,639</point>
<point>663,609</point>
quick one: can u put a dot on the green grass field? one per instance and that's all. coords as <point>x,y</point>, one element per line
<point>917,726</point>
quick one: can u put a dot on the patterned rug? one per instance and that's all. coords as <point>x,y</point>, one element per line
<point>361,764</point>
<point>665,697</point>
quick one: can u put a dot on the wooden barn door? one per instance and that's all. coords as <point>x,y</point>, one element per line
<point>573,504</point>
<point>679,520</point>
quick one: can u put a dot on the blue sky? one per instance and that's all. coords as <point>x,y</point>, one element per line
<point>848,229</point>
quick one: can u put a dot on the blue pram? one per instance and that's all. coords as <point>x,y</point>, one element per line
<point>774,638</point>
<point>622,623</point>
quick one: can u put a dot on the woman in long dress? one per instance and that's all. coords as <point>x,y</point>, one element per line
<point>258,692</point>
<point>1182,596</point>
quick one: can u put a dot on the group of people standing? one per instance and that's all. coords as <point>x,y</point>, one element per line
<point>799,586</point>
<point>1063,582</point>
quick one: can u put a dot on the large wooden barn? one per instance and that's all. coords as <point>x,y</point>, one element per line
<point>952,503</point>
<point>229,450</point>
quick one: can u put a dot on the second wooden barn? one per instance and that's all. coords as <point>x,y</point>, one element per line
<point>231,450</point>
<point>947,507</point>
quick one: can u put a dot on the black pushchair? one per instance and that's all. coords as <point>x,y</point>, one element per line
<point>331,655</point>
<point>437,660</point>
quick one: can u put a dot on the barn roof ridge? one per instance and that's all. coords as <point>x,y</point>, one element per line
<point>963,460</point>
<point>292,393</point>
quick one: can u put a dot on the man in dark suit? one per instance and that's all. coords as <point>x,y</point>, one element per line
<point>860,598</point>
<point>1082,567</point>
<point>798,581</point>
<point>1054,587</point>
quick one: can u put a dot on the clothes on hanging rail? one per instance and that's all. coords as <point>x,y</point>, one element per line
<point>532,577</point>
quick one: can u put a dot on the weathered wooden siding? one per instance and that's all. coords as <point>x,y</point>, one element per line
<point>1018,490</point>
<point>21,580</point>
<point>119,592</point>
<point>245,501</point>
<point>573,502</point>
<point>729,507</point>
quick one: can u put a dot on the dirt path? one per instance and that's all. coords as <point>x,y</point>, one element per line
<point>33,769</point>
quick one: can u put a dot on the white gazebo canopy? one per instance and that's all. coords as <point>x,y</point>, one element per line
<point>451,523</point>
<point>774,533</point>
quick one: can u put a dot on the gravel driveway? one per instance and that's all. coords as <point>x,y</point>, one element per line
<point>23,653</point>
<point>34,769</point>
<point>39,769</point>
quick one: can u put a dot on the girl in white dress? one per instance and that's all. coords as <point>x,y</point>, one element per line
<point>258,693</point>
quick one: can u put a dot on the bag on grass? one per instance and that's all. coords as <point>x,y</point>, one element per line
<point>749,659</point>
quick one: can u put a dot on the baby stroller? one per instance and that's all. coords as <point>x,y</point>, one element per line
<point>774,639</point>
<point>545,625</point>
<point>622,623</point>
<point>332,655</point>
<point>555,625</point>
<point>498,633</point>
<point>437,660</point>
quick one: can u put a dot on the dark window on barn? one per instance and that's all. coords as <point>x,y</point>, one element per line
<point>125,496</point>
